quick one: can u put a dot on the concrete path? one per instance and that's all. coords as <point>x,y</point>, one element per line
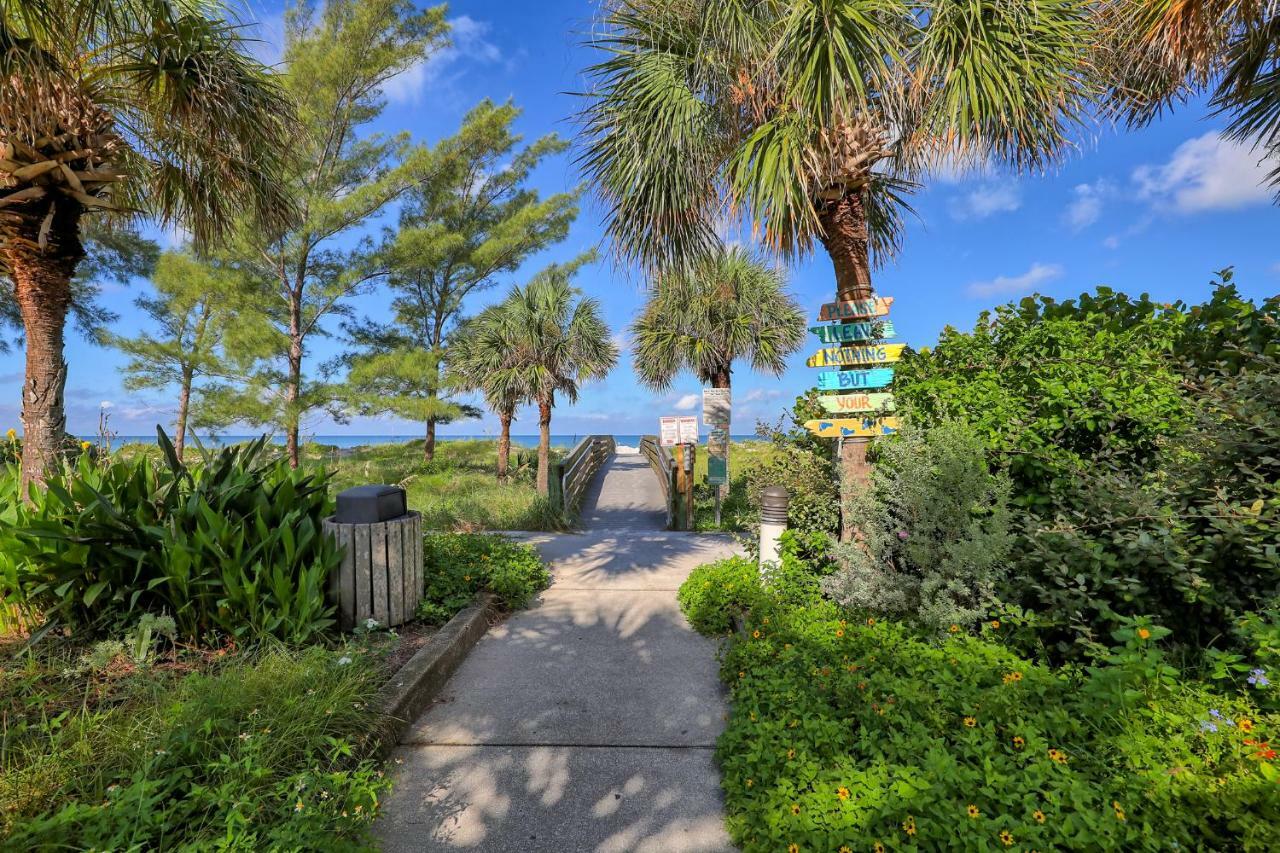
<point>587,722</point>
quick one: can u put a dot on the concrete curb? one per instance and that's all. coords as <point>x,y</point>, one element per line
<point>419,681</point>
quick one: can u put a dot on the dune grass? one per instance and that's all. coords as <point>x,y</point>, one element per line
<point>458,490</point>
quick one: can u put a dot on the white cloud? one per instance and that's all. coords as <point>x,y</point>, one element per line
<point>688,402</point>
<point>757,394</point>
<point>1086,204</point>
<point>468,41</point>
<point>1206,173</point>
<point>106,404</point>
<point>1012,285</point>
<point>1112,242</point>
<point>986,200</point>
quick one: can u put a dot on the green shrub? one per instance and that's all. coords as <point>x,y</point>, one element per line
<point>459,565</point>
<point>231,545</point>
<point>934,528</point>
<point>863,732</point>
<point>264,752</point>
<point>714,593</point>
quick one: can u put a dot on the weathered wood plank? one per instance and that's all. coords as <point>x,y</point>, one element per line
<point>852,427</point>
<point>837,403</point>
<point>395,572</point>
<point>850,332</point>
<point>870,354</point>
<point>863,309</point>
<point>364,592</point>
<point>378,569</point>
<point>845,380</point>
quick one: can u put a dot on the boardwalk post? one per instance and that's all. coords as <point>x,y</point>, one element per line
<point>773,521</point>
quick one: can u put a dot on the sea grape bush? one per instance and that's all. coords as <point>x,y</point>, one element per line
<point>231,545</point>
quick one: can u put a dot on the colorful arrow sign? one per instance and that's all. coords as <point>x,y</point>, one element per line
<point>858,403</point>
<point>862,309</point>
<point>854,332</point>
<point>872,354</point>
<point>849,380</point>
<point>852,427</point>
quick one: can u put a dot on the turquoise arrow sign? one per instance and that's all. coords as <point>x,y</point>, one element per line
<point>848,332</point>
<point>845,380</point>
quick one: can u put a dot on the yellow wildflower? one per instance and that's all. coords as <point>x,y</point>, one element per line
<point>297,807</point>
<point>842,793</point>
<point>1018,742</point>
<point>909,825</point>
<point>1144,634</point>
<point>954,629</point>
<point>756,634</point>
<point>1038,816</point>
<point>750,782</point>
<point>1245,724</point>
<point>1006,838</point>
<point>795,808</point>
<point>793,848</point>
<point>995,623</point>
<point>970,722</point>
<point>791,753</point>
<point>12,434</point>
<point>839,632</point>
<point>973,810</point>
<point>871,621</point>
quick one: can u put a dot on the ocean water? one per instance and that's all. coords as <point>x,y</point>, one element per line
<point>349,441</point>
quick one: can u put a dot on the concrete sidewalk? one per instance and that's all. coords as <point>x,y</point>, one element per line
<point>586,722</point>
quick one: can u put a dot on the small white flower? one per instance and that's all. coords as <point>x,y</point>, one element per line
<point>371,624</point>
<point>344,660</point>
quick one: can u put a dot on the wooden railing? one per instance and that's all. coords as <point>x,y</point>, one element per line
<point>660,461</point>
<point>571,476</point>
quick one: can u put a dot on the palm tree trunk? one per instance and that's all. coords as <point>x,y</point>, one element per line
<point>504,445</point>
<point>184,407</point>
<point>544,446</point>
<point>429,446</point>
<point>846,239</point>
<point>42,287</point>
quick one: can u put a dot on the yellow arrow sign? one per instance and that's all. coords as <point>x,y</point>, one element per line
<point>873,354</point>
<point>852,427</point>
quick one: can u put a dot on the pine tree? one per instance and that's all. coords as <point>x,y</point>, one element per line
<point>475,220</point>
<point>192,312</point>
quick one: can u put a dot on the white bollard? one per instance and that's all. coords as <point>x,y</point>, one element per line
<point>773,520</point>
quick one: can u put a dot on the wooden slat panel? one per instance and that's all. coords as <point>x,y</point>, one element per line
<point>395,572</point>
<point>364,594</point>
<point>416,563</point>
<point>378,570</point>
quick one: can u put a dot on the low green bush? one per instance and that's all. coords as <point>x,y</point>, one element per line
<point>231,545</point>
<point>859,734</point>
<point>714,593</point>
<point>263,751</point>
<point>459,565</point>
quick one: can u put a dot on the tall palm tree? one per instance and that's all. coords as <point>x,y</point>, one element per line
<point>120,107</point>
<point>482,358</point>
<point>807,119</point>
<point>558,340</point>
<point>725,306</point>
<point>1164,51</point>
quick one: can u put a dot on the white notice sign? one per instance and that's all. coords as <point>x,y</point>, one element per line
<point>688,430</point>
<point>668,431</point>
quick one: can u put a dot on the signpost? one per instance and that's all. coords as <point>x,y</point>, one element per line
<point>852,427</point>
<point>872,354</point>
<point>858,403</point>
<point>848,332</point>
<point>681,434</point>
<point>716,408</point>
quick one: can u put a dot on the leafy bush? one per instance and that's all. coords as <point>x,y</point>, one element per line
<point>459,565</point>
<point>935,531</point>
<point>1055,387</point>
<point>864,733</point>
<point>232,545</point>
<point>263,752</point>
<point>715,592</point>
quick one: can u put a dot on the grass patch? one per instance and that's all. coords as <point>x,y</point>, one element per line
<point>260,750</point>
<point>458,490</point>
<point>737,511</point>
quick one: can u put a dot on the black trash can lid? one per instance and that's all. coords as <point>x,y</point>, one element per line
<point>370,504</point>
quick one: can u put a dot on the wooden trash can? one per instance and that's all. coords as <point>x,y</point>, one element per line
<point>381,573</point>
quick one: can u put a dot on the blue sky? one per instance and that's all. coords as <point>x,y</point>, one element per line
<point>1155,211</point>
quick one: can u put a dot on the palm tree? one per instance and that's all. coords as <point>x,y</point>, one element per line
<point>1160,52</point>
<point>726,306</point>
<point>120,107</point>
<point>481,358</point>
<point>807,119</point>
<point>557,340</point>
